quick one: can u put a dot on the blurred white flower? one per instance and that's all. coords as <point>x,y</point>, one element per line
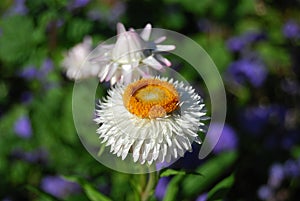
<point>153,119</point>
<point>75,63</point>
<point>132,56</point>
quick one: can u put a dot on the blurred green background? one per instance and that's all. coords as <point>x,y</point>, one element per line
<point>254,44</point>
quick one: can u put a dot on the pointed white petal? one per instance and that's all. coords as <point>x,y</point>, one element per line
<point>165,61</point>
<point>160,39</point>
<point>151,61</point>
<point>155,140</point>
<point>112,70</point>
<point>102,74</point>
<point>164,48</point>
<point>126,149</point>
<point>198,140</point>
<point>120,28</point>
<point>145,34</point>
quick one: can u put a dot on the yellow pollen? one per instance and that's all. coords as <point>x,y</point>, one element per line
<point>150,98</point>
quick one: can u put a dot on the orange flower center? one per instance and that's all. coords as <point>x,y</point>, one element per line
<point>150,98</point>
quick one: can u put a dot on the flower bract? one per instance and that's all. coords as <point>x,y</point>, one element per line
<point>153,119</point>
<point>132,56</point>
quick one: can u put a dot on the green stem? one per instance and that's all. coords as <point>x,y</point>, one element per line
<point>149,189</point>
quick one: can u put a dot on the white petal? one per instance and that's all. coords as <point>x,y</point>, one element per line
<point>120,28</point>
<point>136,150</point>
<point>168,156</point>
<point>198,140</point>
<point>112,70</point>
<point>145,34</point>
<point>102,74</point>
<point>151,61</point>
<point>165,61</point>
<point>164,48</point>
<point>151,140</point>
<point>160,39</point>
<point>126,149</point>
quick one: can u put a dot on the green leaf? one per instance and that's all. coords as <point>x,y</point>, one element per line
<point>78,28</point>
<point>173,188</point>
<point>221,189</point>
<point>41,194</point>
<point>22,29</point>
<point>215,47</point>
<point>295,151</point>
<point>137,190</point>
<point>220,9</point>
<point>92,193</point>
<point>211,170</point>
<point>240,91</point>
<point>175,21</point>
<point>172,172</point>
<point>282,59</point>
<point>245,7</point>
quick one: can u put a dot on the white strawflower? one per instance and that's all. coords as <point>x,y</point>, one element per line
<point>132,56</point>
<point>74,61</point>
<point>154,119</point>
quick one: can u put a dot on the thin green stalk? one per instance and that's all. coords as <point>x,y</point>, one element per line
<point>149,189</point>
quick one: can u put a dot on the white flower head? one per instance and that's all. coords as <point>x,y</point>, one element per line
<point>74,61</point>
<point>132,56</point>
<point>152,119</point>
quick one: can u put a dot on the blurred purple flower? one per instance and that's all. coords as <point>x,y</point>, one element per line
<point>249,70</point>
<point>162,165</point>
<point>161,187</point>
<point>29,73</point>
<point>291,168</point>
<point>59,187</point>
<point>117,10</point>
<point>202,197</point>
<point>78,4</point>
<point>228,140</point>
<point>18,8</point>
<point>276,175</point>
<point>54,24</point>
<point>254,36</point>
<point>35,156</point>
<point>298,162</point>
<point>265,192</point>
<point>112,16</point>
<point>254,119</point>
<point>291,29</point>
<point>290,138</point>
<point>94,14</point>
<point>46,67</point>
<point>22,127</point>
<point>238,43</point>
<point>235,44</point>
<point>277,114</point>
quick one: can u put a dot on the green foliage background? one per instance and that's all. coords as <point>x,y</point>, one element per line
<point>49,28</point>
